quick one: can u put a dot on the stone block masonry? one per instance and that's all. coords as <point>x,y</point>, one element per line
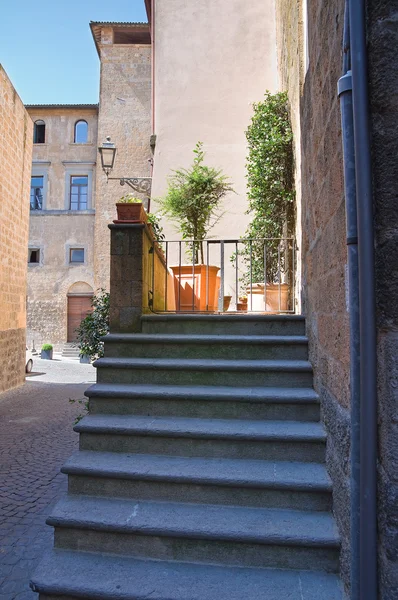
<point>125,115</point>
<point>382,33</point>
<point>311,76</point>
<point>15,158</point>
<point>310,58</point>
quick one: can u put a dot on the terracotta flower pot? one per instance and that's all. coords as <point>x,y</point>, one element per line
<point>256,299</point>
<point>133,212</point>
<point>227,302</point>
<point>196,289</point>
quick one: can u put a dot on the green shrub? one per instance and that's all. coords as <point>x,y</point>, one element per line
<point>193,199</point>
<point>154,219</point>
<point>94,326</point>
<point>46,347</point>
<point>270,185</point>
<point>129,199</point>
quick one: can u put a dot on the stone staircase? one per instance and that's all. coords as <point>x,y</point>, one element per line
<point>70,350</point>
<point>200,474</point>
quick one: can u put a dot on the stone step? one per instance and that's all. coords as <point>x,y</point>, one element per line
<point>214,402</point>
<point>70,350</point>
<point>257,483</point>
<point>218,438</point>
<point>66,575</point>
<point>230,535</point>
<point>224,324</point>
<point>242,373</point>
<point>233,347</point>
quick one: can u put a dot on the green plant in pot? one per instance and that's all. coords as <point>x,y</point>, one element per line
<point>46,352</point>
<point>193,201</point>
<point>271,195</point>
<point>94,327</point>
<point>130,208</point>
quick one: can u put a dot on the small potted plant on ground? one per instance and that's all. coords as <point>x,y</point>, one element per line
<point>131,209</point>
<point>242,304</point>
<point>193,201</point>
<point>46,352</point>
<point>227,302</point>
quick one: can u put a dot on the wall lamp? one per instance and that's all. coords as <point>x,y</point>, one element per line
<point>142,185</point>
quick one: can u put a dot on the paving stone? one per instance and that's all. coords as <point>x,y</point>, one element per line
<point>31,455</point>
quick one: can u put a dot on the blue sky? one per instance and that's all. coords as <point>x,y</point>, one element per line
<point>47,49</point>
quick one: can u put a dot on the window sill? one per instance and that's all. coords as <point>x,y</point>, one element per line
<point>55,213</point>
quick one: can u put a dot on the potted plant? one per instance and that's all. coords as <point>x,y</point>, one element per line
<point>193,201</point>
<point>46,352</point>
<point>271,194</point>
<point>242,304</point>
<point>129,208</point>
<point>227,302</point>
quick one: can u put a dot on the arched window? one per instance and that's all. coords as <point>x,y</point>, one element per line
<point>81,132</point>
<point>39,132</point>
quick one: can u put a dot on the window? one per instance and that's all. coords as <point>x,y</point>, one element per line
<point>76,255</point>
<point>36,192</point>
<point>33,256</point>
<point>81,132</point>
<point>39,132</point>
<point>78,192</point>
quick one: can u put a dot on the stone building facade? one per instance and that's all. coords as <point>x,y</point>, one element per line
<point>62,213</point>
<point>71,200</point>
<point>124,114</point>
<point>310,53</point>
<point>15,159</point>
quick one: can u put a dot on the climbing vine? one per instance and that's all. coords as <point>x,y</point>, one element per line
<point>270,182</point>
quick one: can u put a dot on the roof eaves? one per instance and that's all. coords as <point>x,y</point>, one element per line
<point>96,25</point>
<point>71,106</point>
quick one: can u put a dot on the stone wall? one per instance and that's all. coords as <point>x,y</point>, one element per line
<point>56,228</point>
<point>15,160</point>
<point>310,58</point>
<point>383,81</point>
<point>125,115</point>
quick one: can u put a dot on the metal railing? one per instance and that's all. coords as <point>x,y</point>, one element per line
<point>248,275</point>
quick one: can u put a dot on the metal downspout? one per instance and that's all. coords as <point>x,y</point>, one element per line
<point>347,125</point>
<point>367,308</point>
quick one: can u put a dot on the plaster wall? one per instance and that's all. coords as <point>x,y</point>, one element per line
<point>15,161</point>
<point>212,61</point>
<point>125,115</point>
<point>55,229</point>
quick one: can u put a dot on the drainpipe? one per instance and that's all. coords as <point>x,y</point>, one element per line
<point>347,125</point>
<point>367,309</point>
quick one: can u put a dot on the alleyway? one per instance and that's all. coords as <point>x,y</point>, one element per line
<point>36,437</point>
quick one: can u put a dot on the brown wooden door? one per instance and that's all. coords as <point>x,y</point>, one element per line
<point>78,308</point>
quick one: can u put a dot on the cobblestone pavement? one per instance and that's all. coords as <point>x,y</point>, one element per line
<point>36,437</point>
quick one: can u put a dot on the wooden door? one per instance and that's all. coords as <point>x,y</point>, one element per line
<point>78,308</point>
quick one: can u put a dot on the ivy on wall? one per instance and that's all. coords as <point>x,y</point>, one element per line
<point>270,182</point>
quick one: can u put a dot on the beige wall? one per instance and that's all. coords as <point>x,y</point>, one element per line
<point>125,115</point>
<point>55,229</point>
<point>212,61</point>
<point>15,161</point>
